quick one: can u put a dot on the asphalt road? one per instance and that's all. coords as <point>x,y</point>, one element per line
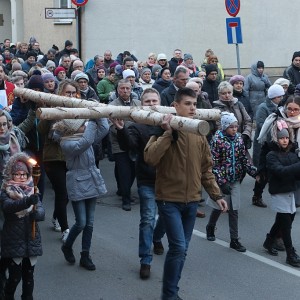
<point>212,270</point>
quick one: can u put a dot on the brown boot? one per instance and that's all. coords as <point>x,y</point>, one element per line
<point>258,201</point>
<point>145,271</point>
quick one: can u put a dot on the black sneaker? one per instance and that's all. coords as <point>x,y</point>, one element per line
<point>236,245</point>
<point>68,253</point>
<point>158,248</point>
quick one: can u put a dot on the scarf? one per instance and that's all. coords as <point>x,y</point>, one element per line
<point>17,191</point>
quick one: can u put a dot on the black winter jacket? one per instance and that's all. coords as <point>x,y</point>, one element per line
<point>168,95</point>
<point>211,88</point>
<point>16,239</point>
<point>283,170</point>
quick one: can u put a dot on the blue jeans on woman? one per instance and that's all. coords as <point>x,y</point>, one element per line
<point>179,220</point>
<point>84,211</point>
<point>147,223</point>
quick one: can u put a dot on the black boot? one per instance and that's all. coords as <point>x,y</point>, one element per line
<point>86,261</point>
<point>68,253</point>
<point>258,201</point>
<point>236,245</point>
<point>2,285</point>
<point>268,245</point>
<point>210,233</point>
<point>292,258</point>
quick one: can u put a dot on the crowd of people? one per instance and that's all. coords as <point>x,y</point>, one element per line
<point>69,151</point>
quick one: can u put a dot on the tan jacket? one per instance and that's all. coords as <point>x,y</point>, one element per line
<point>182,167</point>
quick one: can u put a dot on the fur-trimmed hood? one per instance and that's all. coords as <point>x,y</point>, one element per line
<point>21,156</point>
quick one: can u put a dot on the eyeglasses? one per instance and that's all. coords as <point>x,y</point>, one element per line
<point>69,93</point>
<point>4,124</point>
<point>23,175</point>
<point>292,110</point>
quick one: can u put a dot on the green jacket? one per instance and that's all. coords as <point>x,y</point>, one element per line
<point>104,87</point>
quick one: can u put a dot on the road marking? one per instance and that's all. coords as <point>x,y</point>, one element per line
<point>253,255</point>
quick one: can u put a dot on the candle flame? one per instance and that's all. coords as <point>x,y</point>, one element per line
<point>32,161</point>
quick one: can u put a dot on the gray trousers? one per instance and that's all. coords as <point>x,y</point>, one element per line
<point>233,220</point>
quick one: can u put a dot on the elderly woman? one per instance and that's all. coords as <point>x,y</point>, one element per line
<point>228,103</point>
<point>238,81</point>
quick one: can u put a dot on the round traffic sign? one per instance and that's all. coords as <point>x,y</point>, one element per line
<point>233,7</point>
<point>80,2</point>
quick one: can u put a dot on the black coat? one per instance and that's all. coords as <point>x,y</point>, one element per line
<point>283,170</point>
<point>211,88</point>
<point>168,95</point>
<point>243,98</point>
<point>16,239</point>
<point>161,84</point>
<point>173,64</point>
<point>135,138</point>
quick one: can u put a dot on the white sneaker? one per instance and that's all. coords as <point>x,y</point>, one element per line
<point>64,235</point>
<point>56,226</point>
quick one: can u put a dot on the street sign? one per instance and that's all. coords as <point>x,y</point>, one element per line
<point>234,31</point>
<point>80,2</point>
<point>60,13</point>
<point>233,7</point>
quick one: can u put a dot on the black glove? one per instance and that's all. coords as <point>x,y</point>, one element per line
<point>32,199</point>
<point>226,188</point>
<point>247,141</point>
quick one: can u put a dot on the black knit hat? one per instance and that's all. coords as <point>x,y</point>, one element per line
<point>210,68</point>
<point>36,82</point>
<point>68,43</point>
<point>296,54</point>
<point>30,53</point>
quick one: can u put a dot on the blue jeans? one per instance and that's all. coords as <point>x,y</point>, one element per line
<point>179,220</point>
<point>84,211</point>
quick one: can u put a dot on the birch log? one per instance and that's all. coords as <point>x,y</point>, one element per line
<point>52,100</point>
<point>200,127</point>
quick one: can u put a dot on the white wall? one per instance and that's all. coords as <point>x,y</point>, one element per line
<point>5,9</point>
<point>269,29</point>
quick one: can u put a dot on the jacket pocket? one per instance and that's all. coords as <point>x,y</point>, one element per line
<point>84,183</point>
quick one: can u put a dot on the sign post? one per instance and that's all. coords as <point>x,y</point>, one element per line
<point>234,28</point>
<point>79,4</point>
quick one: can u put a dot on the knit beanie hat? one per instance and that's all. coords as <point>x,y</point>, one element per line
<point>74,73</point>
<point>156,68</point>
<point>282,133</point>
<point>50,64</point>
<point>48,76</point>
<point>210,68</point>
<point>127,73</point>
<point>19,73</point>
<point>68,126</point>
<point>236,78</point>
<point>68,43</point>
<point>31,53</point>
<point>36,82</point>
<point>296,54</point>
<point>187,56</point>
<point>282,81</point>
<point>59,69</point>
<point>144,70</point>
<point>19,166</point>
<point>16,67</point>
<point>260,64</point>
<point>81,75</point>
<point>227,119</point>
<point>275,91</point>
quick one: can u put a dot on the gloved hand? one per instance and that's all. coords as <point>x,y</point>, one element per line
<point>32,199</point>
<point>226,188</point>
<point>247,141</point>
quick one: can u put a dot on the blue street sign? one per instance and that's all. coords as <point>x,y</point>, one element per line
<point>80,2</point>
<point>233,7</point>
<point>234,31</point>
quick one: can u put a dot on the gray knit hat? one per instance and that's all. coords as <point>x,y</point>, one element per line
<point>68,126</point>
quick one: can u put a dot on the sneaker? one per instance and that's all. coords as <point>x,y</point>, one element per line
<point>145,271</point>
<point>236,245</point>
<point>158,248</point>
<point>56,226</point>
<point>68,253</point>
<point>64,235</point>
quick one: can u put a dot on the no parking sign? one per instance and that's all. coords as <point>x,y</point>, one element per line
<point>80,2</point>
<point>233,7</point>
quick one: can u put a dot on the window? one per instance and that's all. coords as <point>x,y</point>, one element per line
<point>62,4</point>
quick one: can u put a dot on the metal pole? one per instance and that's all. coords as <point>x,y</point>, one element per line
<point>238,58</point>
<point>78,29</point>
